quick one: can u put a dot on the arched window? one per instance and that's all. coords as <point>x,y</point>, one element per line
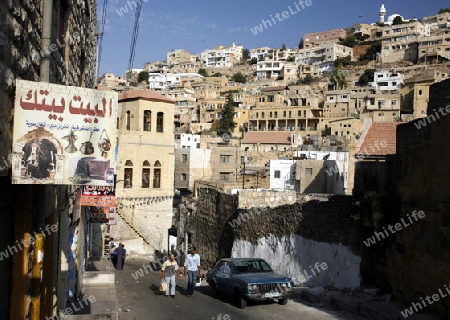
<point>147,120</point>
<point>157,175</point>
<point>146,174</point>
<point>128,174</point>
<point>159,122</point>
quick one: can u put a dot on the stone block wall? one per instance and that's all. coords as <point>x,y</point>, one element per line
<point>248,199</point>
<point>417,262</point>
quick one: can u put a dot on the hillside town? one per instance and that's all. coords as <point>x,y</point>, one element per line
<point>327,154</point>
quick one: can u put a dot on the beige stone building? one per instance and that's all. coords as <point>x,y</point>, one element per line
<point>399,42</point>
<point>145,168</point>
<point>363,102</point>
<point>435,48</point>
<point>279,110</point>
<point>176,57</point>
<point>316,39</point>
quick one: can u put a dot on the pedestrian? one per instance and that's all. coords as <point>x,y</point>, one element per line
<point>192,268</point>
<point>111,243</point>
<point>169,271</point>
<point>121,254</point>
<point>113,253</point>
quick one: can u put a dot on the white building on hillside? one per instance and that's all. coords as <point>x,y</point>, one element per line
<point>222,57</point>
<point>386,81</point>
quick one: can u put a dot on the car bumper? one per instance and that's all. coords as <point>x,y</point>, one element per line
<point>268,295</point>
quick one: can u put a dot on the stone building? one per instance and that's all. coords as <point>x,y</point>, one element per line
<point>145,170</point>
<point>57,45</point>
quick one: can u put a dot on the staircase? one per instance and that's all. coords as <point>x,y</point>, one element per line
<point>151,236</point>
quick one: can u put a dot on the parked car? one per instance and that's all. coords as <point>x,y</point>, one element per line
<point>248,279</point>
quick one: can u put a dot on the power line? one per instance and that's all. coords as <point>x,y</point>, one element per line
<point>100,36</point>
<point>135,34</point>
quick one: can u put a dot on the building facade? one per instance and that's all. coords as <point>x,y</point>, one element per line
<point>145,168</point>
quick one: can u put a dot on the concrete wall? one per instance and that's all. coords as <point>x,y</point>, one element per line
<point>234,227</point>
<point>342,266</point>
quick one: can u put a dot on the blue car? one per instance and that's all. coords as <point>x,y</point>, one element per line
<point>248,279</point>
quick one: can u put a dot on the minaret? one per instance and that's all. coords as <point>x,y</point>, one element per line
<point>382,13</point>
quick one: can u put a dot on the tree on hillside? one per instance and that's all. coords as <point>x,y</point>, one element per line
<point>371,53</point>
<point>203,72</point>
<point>226,123</point>
<point>397,20</point>
<point>308,79</point>
<point>349,41</point>
<point>443,10</point>
<point>253,61</point>
<point>343,61</point>
<point>245,55</point>
<point>338,79</point>
<point>283,47</point>
<point>366,77</point>
<point>143,76</point>
<point>300,44</point>
<point>217,74</point>
<point>238,77</point>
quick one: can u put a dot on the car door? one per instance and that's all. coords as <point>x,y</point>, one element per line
<point>226,278</point>
<point>219,276</point>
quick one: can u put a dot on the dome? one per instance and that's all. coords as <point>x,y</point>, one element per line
<point>392,17</point>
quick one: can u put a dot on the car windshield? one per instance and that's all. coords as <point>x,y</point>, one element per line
<point>251,266</point>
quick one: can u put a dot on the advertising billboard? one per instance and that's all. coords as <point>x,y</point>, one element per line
<point>63,135</point>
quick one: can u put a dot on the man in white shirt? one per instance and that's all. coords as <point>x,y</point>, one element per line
<point>192,268</point>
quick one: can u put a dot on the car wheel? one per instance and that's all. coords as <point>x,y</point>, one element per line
<point>283,301</point>
<point>241,303</point>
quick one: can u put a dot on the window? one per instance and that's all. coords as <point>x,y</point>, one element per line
<point>420,92</point>
<point>276,114</point>
<point>224,158</point>
<point>393,103</point>
<point>147,120</point>
<point>337,177</point>
<point>145,177</point>
<point>117,123</point>
<point>157,175</point>
<point>277,174</point>
<point>184,157</point>
<point>128,120</point>
<point>159,122</point>
<point>184,176</point>
<point>225,175</point>
<point>308,171</point>
<point>128,178</point>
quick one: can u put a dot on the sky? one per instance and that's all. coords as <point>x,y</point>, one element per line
<point>198,25</point>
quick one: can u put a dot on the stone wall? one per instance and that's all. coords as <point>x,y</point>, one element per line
<point>248,199</point>
<point>417,262</point>
<point>229,227</point>
<point>25,208</point>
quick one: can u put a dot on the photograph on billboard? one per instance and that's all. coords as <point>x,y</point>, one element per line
<point>63,135</point>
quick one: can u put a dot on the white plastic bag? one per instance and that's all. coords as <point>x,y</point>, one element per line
<point>163,285</point>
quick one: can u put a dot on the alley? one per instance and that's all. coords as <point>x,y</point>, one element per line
<point>140,300</point>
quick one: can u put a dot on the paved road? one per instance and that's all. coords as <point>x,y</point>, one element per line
<point>140,300</point>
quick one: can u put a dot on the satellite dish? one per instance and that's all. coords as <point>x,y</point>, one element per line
<point>226,137</point>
